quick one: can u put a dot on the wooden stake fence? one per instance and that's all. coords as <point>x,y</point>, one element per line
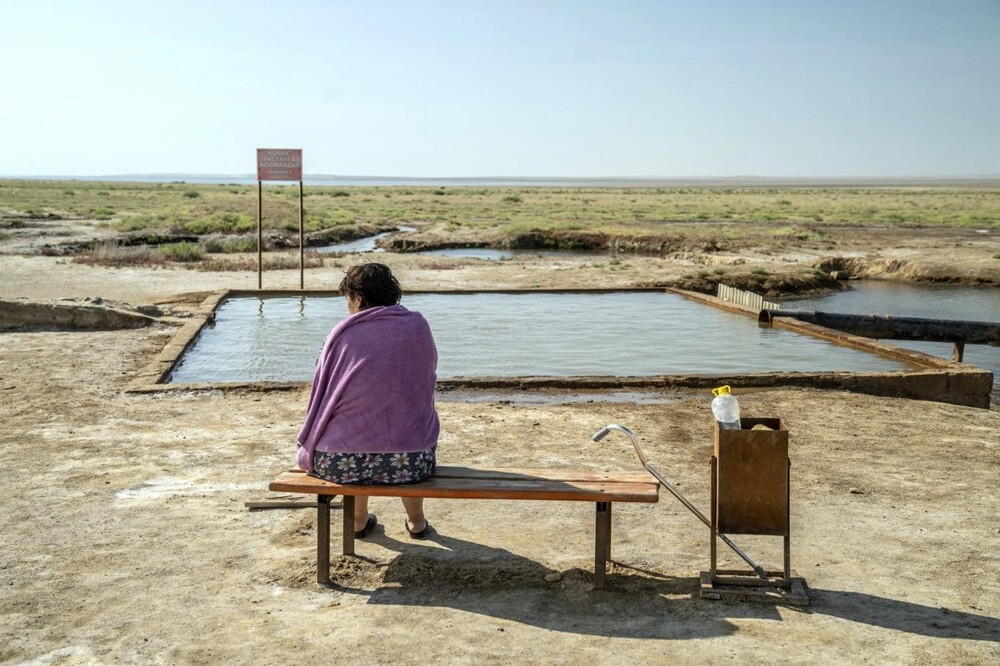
<point>746,299</point>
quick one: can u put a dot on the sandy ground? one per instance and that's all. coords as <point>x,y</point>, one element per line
<point>126,539</point>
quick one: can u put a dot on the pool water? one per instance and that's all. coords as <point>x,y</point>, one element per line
<point>927,301</point>
<point>511,335</point>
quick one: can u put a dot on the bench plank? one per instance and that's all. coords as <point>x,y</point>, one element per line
<point>502,485</point>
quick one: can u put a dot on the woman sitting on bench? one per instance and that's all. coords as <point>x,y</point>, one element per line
<point>371,416</point>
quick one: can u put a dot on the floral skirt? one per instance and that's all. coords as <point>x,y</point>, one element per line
<point>386,469</point>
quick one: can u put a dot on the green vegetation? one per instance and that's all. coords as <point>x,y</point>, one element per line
<point>758,271</point>
<point>111,253</point>
<point>101,213</point>
<point>151,221</point>
<point>798,232</point>
<point>181,251</point>
<point>221,222</point>
<point>722,213</point>
<point>719,271</point>
<point>217,244</point>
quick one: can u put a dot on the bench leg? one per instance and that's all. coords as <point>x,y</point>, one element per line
<point>323,539</point>
<point>602,544</point>
<point>348,508</point>
<point>607,544</point>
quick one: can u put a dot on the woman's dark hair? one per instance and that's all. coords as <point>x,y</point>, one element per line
<point>372,284</point>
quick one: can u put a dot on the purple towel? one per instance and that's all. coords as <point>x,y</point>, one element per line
<point>374,387</point>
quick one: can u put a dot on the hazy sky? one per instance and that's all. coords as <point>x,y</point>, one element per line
<point>498,88</point>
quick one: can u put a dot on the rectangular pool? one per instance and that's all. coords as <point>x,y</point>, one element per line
<point>512,335</point>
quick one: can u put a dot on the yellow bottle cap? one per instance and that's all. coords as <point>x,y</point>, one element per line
<point>722,390</point>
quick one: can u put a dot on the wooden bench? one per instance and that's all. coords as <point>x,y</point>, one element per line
<point>603,488</point>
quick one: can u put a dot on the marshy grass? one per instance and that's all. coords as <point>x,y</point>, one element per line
<point>194,255</point>
<point>229,244</point>
<point>799,233</point>
<point>221,222</point>
<point>769,213</point>
<point>183,252</point>
<point>112,253</point>
<point>102,213</point>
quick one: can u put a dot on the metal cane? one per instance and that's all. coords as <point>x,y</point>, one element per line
<point>603,432</point>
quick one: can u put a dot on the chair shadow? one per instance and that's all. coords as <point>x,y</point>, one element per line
<point>903,616</point>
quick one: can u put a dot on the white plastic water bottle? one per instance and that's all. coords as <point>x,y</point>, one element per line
<point>726,408</point>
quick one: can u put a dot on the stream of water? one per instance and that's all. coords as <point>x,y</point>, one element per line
<point>370,244</point>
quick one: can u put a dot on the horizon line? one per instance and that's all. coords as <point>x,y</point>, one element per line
<point>252,175</point>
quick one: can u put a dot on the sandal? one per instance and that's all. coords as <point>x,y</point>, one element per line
<point>416,535</point>
<point>369,526</point>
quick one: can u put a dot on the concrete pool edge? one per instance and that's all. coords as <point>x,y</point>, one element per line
<point>936,379</point>
<point>158,370</point>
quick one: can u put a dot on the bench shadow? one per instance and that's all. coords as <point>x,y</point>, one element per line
<point>493,582</point>
<point>903,616</point>
<point>637,602</point>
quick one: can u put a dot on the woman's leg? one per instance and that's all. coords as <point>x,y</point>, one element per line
<point>360,512</point>
<point>414,512</point>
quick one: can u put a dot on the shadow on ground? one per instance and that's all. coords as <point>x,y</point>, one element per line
<point>494,582</point>
<point>904,616</point>
<point>637,602</point>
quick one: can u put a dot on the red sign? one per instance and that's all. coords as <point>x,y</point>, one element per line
<point>279,164</point>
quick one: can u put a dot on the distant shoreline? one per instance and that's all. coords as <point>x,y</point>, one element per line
<point>567,182</point>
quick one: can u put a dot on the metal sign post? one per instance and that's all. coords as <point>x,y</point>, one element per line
<point>279,164</point>
<point>302,240</point>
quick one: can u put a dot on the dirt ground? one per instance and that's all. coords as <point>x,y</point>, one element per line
<point>126,539</point>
